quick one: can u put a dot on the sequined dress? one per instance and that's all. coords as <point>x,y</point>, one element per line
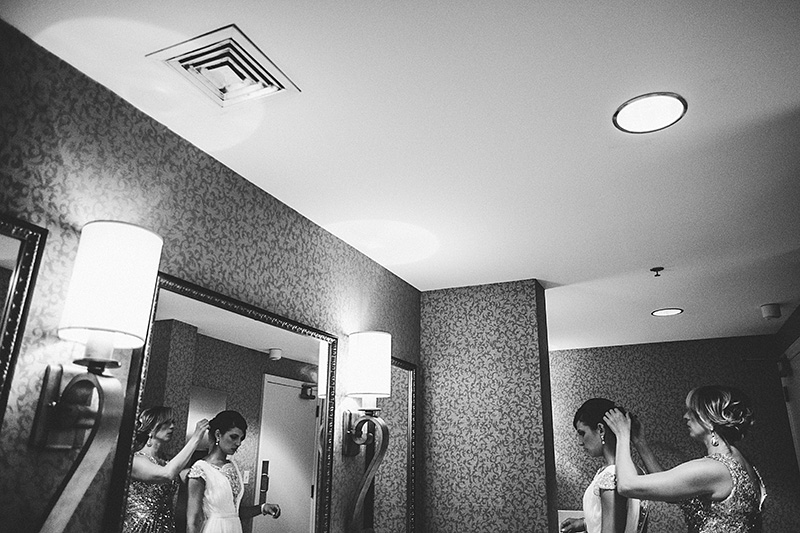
<point>740,512</point>
<point>222,495</point>
<point>150,505</point>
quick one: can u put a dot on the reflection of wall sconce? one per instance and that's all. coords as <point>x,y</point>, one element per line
<point>307,391</point>
<point>108,306</point>
<point>370,377</point>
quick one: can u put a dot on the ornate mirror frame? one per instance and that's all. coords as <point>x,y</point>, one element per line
<point>402,475</point>
<point>138,375</point>
<point>18,298</point>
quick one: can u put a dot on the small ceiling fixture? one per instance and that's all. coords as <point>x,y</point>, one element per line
<point>657,271</point>
<point>227,66</point>
<point>667,311</point>
<point>770,311</point>
<point>650,112</point>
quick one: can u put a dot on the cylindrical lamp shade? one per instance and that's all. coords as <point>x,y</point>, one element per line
<point>370,364</point>
<point>113,279</point>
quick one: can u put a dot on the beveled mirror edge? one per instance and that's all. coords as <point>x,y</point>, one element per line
<point>15,311</point>
<point>138,375</point>
<point>412,438</point>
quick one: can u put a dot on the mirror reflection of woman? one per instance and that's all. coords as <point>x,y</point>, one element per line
<point>215,482</point>
<point>154,479</point>
<point>721,492</point>
<point>605,511</point>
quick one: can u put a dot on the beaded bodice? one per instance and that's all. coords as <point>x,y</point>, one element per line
<point>150,505</point>
<point>738,513</point>
<point>229,471</point>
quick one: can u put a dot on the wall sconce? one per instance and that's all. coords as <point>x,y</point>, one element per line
<point>370,378</point>
<point>108,306</point>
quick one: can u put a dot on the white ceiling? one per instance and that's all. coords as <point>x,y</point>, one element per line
<point>237,329</point>
<point>478,134</point>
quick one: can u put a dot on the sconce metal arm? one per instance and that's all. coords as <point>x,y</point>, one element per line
<point>74,411</point>
<point>376,431</point>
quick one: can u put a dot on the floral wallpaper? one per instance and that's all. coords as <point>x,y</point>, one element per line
<point>72,151</point>
<point>652,381</point>
<point>482,438</point>
<point>390,481</point>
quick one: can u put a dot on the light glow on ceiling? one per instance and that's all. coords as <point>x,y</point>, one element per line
<point>387,242</point>
<point>650,112</point>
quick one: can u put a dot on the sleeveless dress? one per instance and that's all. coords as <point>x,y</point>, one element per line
<point>740,512</point>
<point>150,505</point>
<point>223,493</point>
<point>606,479</point>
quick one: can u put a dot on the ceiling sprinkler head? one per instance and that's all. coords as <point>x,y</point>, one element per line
<point>657,270</point>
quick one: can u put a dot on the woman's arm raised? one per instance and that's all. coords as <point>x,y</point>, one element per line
<point>639,441</point>
<point>701,477</point>
<point>144,470</point>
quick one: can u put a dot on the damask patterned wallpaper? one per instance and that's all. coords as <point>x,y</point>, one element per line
<point>652,381</point>
<point>390,481</point>
<point>71,151</point>
<point>482,422</point>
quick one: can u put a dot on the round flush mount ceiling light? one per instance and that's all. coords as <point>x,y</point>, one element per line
<point>650,112</point>
<point>667,311</point>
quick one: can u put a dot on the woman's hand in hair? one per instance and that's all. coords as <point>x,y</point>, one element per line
<point>200,430</point>
<point>619,423</point>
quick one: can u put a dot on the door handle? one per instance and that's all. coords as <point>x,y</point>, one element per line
<point>263,485</point>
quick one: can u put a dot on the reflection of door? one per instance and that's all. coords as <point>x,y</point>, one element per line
<point>791,386</point>
<point>287,442</point>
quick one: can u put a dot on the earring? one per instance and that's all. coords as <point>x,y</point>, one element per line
<point>714,441</point>
<point>217,442</point>
<point>602,439</point>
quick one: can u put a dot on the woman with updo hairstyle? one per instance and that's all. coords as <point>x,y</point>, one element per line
<point>721,492</point>
<point>604,509</point>
<point>215,482</point>
<point>149,508</point>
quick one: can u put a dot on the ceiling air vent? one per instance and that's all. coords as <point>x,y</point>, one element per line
<point>227,66</point>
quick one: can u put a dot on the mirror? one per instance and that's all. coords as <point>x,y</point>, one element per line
<point>394,482</point>
<point>21,249</point>
<point>207,353</point>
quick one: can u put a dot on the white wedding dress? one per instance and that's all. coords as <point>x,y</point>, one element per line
<point>223,493</point>
<point>606,479</point>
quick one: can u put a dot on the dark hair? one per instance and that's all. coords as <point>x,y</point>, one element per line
<point>148,422</point>
<point>225,421</point>
<point>591,413</point>
<point>725,410</point>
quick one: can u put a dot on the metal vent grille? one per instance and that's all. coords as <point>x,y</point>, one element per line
<point>226,66</point>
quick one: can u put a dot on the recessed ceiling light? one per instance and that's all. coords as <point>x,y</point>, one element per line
<point>650,112</point>
<point>667,311</point>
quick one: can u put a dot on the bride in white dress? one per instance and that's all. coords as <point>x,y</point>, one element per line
<point>215,483</point>
<point>605,511</point>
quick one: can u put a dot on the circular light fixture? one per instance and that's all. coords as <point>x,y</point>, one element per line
<point>650,112</point>
<point>667,311</point>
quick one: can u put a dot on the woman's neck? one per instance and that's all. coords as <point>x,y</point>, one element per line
<point>609,456</point>
<point>216,456</point>
<point>152,448</point>
<point>720,447</point>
